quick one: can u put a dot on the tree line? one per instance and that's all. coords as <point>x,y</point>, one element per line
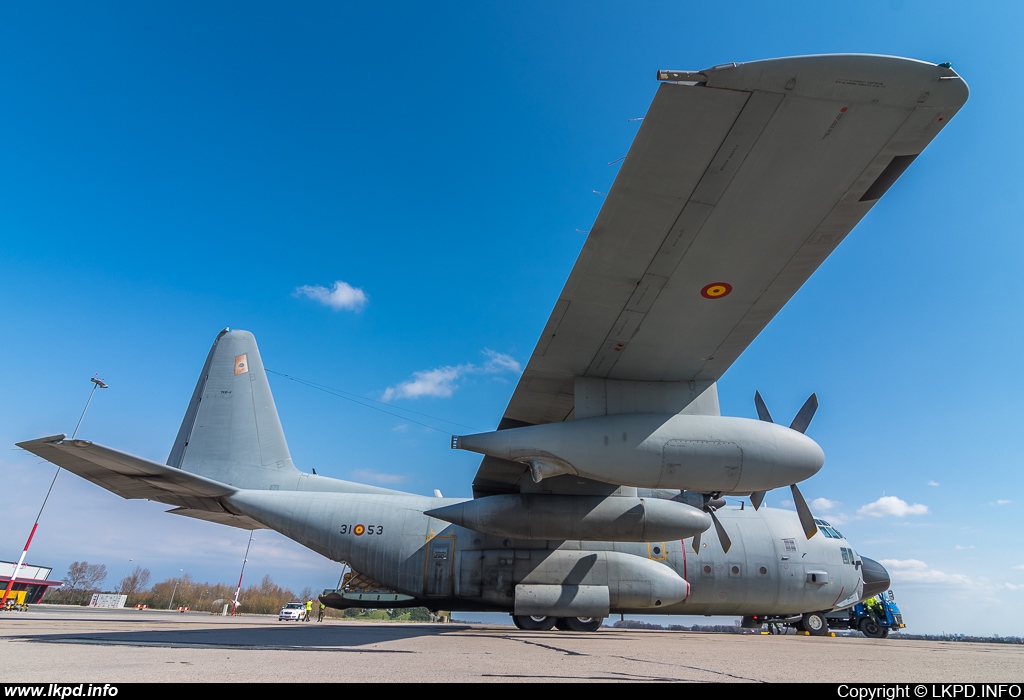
<point>264,598</point>
<point>84,579</point>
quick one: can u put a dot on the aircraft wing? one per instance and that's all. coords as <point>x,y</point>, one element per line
<point>740,182</point>
<point>133,477</point>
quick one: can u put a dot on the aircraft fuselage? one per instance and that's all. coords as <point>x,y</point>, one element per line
<point>771,569</point>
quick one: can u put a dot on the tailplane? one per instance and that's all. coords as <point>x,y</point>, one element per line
<point>231,432</point>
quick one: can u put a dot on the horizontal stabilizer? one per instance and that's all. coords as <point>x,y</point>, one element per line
<point>129,476</point>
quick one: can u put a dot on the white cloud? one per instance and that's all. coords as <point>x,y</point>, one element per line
<point>891,505</point>
<point>499,362</point>
<point>377,477</point>
<point>341,296</point>
<point>916,571</point>
<point>1003,502</point>
<point>961,546</point>
<point>823,504</point>
<point>432,382</point>
<point>1019,567</point>
<point>443,381</point>
<point>933,483</point>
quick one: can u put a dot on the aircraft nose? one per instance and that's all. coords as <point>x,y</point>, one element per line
<point>876,578</point>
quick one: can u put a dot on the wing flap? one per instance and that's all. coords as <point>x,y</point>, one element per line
<point>129,476</point>
<point>220,517</point>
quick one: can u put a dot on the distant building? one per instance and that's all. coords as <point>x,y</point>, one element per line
<point>34,580</point>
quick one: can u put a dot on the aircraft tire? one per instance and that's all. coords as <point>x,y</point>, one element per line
<point>534,623</point>
<point>579,624</point>
<point>815,623</point>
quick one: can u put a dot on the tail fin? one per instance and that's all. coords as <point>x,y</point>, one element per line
<point>231,432</point>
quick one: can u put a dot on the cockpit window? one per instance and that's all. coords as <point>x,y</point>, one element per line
<point>827,530</point>
<point>846,555</point>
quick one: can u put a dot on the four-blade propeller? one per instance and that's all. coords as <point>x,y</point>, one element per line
<point>799,424</point>
<point>713,502</point>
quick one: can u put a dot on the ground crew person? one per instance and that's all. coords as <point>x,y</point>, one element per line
<point>874,606</point>
<point>323,607</point>
<point>309,608</point>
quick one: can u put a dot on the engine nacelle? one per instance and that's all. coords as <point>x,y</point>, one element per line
<point>558,517</point>
<point>670,451</point>
<point>589,584</point>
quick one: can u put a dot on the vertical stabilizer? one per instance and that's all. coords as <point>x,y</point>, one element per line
<point>231,432</point>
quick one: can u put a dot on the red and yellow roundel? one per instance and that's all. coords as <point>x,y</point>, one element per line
<point>359,529</point>
<point>716,290</point>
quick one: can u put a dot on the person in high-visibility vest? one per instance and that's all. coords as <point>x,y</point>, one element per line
<point>309,609</point>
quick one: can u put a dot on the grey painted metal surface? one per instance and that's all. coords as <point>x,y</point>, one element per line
<point>734,191</point>
<point>557,517</point>
<point>390,537</point>
<point>703,453</point>
<point>755,193</point>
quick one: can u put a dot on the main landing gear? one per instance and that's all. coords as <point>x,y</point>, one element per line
<point>542,623</point>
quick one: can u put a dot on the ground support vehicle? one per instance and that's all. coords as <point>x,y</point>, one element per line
<point>874,617</point>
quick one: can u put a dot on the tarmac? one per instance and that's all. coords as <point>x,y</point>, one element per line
<point>56,644</point>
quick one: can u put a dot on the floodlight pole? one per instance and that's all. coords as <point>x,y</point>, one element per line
<point>96,384</point>
<point>175,589</point>
<point>238,590</point>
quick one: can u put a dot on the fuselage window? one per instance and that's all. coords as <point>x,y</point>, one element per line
<point>846,555</point>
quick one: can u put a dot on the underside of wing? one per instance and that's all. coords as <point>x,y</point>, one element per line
<point>741,181</point>
<point>134,477</point>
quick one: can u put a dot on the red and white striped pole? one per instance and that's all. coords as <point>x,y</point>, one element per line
<point>96,384</point>
<point>238,590</point>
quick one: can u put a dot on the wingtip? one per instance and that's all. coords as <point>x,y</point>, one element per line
<point>41,441</point>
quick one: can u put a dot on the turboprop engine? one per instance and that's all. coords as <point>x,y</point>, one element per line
<point>709,454</point>
<point>563,517</point>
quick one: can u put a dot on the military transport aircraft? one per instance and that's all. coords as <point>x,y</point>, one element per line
<point>602,489</point>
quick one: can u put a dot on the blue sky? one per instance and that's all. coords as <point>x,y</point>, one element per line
<point>172,169</point>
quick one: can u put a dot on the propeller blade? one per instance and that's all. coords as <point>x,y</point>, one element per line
<point>806,519</point>
<point>762,409</point>
<point>756,498</point>
<point>804,415</point>
<point>723,536</point>
<point>696,543</point>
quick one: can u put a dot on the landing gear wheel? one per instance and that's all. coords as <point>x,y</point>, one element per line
<point>534,623</point>
<point>815,623</point>
<point>579,624</point>
<point>870,628</point>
